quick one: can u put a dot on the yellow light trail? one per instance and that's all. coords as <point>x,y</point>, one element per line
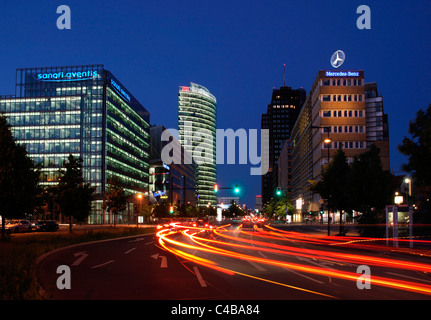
<point>386,282</point>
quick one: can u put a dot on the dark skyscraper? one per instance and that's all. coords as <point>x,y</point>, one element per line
<point>279,119</point>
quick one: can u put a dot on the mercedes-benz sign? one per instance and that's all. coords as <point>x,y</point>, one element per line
<point>338,58</point>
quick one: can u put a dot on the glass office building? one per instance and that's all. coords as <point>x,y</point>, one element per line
<point>197,114</point>
<point>84,111</point>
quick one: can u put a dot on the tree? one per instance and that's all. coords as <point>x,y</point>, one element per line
<point>334,185</point>
<point>18,177</point>
<point>284,207</point>
<point>362,186</point>
<point>278,208</point>
<point>73,196</point>
<point>370,186</point>
<point>115,199</point>
<point>370,190</point>
<point>233,210</point>
<point>418,150</point>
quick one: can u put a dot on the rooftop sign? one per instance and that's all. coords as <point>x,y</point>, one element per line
<point>342,73</point>
<point>68,76</point>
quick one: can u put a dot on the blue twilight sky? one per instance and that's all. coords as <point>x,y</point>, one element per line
<point>234,48</point>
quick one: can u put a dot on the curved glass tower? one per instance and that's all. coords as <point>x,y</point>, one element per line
<point>197,111</point>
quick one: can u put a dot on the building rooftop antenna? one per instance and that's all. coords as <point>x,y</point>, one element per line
<point>284,75</point>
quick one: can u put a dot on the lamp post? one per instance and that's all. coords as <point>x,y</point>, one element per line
<point>409,181</point>
<point>140,196</point>
<point>327,142</point>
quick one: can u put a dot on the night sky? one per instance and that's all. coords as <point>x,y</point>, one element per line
<point>234,48</point>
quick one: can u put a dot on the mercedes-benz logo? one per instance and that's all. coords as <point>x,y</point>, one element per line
<point>338,58</point>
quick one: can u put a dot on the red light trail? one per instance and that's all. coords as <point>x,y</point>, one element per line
<point>232,244</point>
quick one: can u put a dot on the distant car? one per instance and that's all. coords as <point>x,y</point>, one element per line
<point>46,225</point>
<point>18,226</point>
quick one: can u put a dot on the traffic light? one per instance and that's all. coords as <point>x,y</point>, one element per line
<point>216,188</point>
<point>278,192</point>
<point>171,209</point>
<point>236,189</point>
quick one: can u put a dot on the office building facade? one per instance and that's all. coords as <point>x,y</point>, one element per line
<point>197,121</point>
<point>334,116</point>
<point>173,182</point>
<point>279,119</point>
<point>377,124</point>
<point>87,112</point>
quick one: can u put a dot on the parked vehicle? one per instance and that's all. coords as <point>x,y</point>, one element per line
<point>46,225</point>
<point>18,226</point>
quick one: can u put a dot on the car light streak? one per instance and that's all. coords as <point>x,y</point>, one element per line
<point>214,247</point>
<point>332,256</point>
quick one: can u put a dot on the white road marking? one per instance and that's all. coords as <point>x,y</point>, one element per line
<point>164,263</point>
<point>254,264</point>
<point>128,251</point>
<point>262,255</point>
<point>102,264</point>
<point>199,276</point>
<point>302,275</point>
<point>408,277</point>
<point>78,261</point>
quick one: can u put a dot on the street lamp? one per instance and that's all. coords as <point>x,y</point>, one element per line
<point>327,142</point>
<point>409,181</point>
<point>140,196</point>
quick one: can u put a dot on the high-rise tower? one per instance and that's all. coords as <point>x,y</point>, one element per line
<point>279,119</point>
<point>197,110</point>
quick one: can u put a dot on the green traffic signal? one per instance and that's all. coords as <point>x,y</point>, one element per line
<point>236,189</point>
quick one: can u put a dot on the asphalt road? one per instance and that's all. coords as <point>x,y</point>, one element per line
<point>233,263</point>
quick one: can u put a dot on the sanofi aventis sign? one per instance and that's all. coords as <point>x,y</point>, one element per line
<point>68,76</point>
<point>120,90</point>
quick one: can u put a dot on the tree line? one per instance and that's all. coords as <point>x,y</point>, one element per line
<point>363,185</point>
<point>21,193</point>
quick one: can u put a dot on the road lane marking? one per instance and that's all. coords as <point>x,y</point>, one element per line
<point>164,263</point>
<point>151,242</point>
<point>302,275</point>
<point>254,264</point>
<point>137,239</point>
<point>262,255</point>
<point>79,260</point>
<point>102,264</point>
<point>128,251</point>
<point>408,277</point>
<point>199,276</point>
